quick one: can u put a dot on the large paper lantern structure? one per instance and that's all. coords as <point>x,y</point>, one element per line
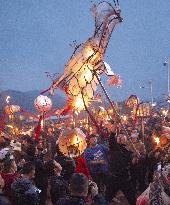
<point>82,72</point>
<point>43,103</point>
<point>72,143</point>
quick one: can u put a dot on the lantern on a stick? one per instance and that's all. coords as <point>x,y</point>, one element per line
<point>11,109</point>
<point>43,104</point>
<point>144,110</point>
<point>132,101</point>
<point>72,143</point>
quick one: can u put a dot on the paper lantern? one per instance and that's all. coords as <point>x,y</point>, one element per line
<point>78,102</point>
<point>132,101</point>
<point>144,110</point>
<point>72,143</point>
<point>43,103</point>
<point>10,109</point>
<point>21,117</point>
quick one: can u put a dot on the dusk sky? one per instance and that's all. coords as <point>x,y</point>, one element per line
<point>35,37</point>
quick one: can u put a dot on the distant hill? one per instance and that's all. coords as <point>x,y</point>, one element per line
<point>26,99</point>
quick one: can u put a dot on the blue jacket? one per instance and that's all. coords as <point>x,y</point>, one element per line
<point>99,152</point>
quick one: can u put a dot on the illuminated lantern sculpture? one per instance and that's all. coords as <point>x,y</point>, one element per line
<point>132,101</point>
<point>11,109</point>
<point>82,72</point>
<point>144,110</point>
<point>43,103</point>
<point>72,143</point>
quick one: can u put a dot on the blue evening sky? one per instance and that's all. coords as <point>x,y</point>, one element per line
<point>35,37</point>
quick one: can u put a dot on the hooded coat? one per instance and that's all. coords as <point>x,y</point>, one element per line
<point>24,192</point>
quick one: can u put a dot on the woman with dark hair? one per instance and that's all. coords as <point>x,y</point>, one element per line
<point>9,173</point>
<point>57,185</point>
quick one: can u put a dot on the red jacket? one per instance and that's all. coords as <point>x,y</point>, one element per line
<point>8,179</point>
<point>81,167</point>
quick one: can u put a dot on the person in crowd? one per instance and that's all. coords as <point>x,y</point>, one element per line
<point>40,173</point>
<point>139,167</point>
<point>67,163</point>
<point>23,190</point>
<point>17,153</point>
<point>120,161</point>
<point>153,159</point>
<point>59,187</point>
<point>79,188</point>
<point>9,172</point>
<point>28,148</point>
<point>3,199</point>
<point>81,167</point>
<point>97,160</point>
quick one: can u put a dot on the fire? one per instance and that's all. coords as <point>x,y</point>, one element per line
<point>157,140</point>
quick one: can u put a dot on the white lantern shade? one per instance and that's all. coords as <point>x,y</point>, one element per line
<point>43,103</point>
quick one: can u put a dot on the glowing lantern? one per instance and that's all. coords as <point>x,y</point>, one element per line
<point>21,117</point>
<point>144,110</point>
<point>10,109</point>
<point>43,103</point>
<point>165,112</point>
<point>72,143</point>
<point>157,140</point>
<point>78,102</point>
<point>124,117</point>
<point>164,140</point>
<point>132,101</point>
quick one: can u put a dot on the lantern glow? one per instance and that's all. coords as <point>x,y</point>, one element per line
<point>165,112</point>
<point>43,103</point>
<point>157,140</point>
<point>72,142</point>
<point>78,103</point>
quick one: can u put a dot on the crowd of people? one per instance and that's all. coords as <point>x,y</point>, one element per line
<point>126,159</point>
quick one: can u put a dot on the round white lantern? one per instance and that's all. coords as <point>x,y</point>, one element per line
<point>43,103</point>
